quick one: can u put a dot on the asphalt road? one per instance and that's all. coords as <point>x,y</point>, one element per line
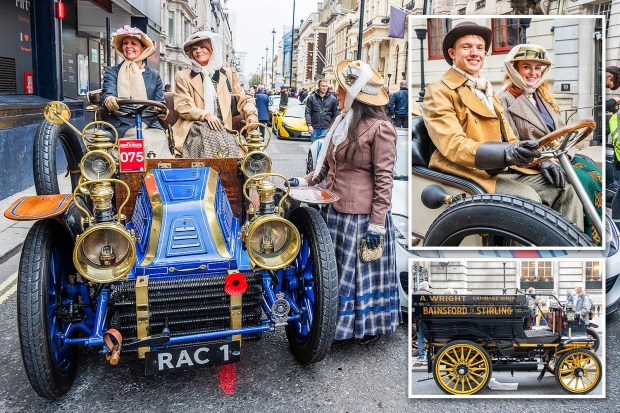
<point>351,378</point>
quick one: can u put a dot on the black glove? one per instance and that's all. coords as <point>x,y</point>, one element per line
<point>373,239</point>
<point>293,181</point>
<point>553,174</point>
<point>494,155</point>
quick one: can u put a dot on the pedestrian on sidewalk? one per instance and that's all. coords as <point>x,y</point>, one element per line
<point>321,109</point>
<point>262,104</point>
<point>423,289</point>
<point>283,99</point>
<point>398,108</point>
<point>359,149</point>
<point>132,79</point>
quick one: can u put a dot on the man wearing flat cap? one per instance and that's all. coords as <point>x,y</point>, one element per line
<point>466,122</point>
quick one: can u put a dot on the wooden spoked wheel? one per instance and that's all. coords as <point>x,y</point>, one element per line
<point>578,371</point>
<point>462,367</point>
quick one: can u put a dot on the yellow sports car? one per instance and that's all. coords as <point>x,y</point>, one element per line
<point>291,123</point>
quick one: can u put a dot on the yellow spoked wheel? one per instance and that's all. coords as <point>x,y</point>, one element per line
<point>578,371</point>
<point>462,367</point>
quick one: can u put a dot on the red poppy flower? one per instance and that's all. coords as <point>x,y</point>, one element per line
<point>235,284</point>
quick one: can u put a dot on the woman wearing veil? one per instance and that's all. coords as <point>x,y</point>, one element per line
<point>132,79</point>
<point>207,97</point>
<point>357,161</point>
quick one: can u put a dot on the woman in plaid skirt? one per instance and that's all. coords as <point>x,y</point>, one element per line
<point>357,162</point>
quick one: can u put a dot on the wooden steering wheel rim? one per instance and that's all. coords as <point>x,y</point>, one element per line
<point>587,125</point>
<point>157,105</point>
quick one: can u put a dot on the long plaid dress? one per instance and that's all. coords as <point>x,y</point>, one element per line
<point>368,292</point>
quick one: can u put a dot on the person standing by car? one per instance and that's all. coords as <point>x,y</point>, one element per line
<point>283,99</point>
<point>132,79</point>
<point>466,122</point>
<point>398,108</point>
<point>321,109</point>
<point>583,304</point>
<point>533,113</point>
<point>357,160</point>
<point>262,104</point>
<point>207,97</point>
<point>423,289</point>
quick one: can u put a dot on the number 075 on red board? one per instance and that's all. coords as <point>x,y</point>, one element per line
<point>131,155</point>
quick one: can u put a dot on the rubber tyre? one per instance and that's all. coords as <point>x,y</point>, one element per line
<point>44,156</point>
<point>571,356</point>
<point>47,377</point>
<point>315,345</point>
<point>505,216</point>
<point>597,339</point>
<point>479,360</point>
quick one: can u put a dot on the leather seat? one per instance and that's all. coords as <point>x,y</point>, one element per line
<point>422,149</point>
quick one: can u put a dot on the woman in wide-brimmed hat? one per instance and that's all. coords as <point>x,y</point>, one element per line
<point>532,113</point>
<point>207,97</point>
<point>357,161</point>
<point>132,79</point>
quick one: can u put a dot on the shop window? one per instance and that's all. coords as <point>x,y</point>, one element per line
<point>505,34</point>
<point>437,30</point>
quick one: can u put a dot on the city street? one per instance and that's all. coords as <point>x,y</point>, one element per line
<point>351,378</point>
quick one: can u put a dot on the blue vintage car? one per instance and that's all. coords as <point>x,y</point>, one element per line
<point>177,263</point>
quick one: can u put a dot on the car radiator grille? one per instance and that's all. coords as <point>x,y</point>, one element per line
<point>185,306</point>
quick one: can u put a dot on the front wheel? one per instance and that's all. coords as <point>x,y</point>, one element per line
<point>311,336</point>
<point>462,367</point>
<point>578,371</point>
<point>505,220</point>
<point>43,274</point>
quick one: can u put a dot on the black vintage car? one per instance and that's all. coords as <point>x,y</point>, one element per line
<point>470,336</point>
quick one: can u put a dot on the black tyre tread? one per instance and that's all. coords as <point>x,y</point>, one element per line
<point>311,223</point>
<point>561,359</point>
<point>553,229</point>
<point>32,324</point>
<point>44,156</point>
<point>597,339</point>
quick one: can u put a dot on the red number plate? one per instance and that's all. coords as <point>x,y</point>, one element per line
<point>131,155</point>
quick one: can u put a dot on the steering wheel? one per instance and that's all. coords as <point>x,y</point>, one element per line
<point>129,108</point>
<point>562,140</point>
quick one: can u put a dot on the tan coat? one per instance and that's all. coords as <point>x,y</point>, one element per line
<point>189,101</point>
<point>458,122</point>
<point>524,119</point>
<point>363,181</point>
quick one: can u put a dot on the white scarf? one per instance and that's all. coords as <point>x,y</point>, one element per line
<point>481,87</point>
<point>338,131</point>
<point>208,90</point>
<point>130,82</point>
<point>516,78</point>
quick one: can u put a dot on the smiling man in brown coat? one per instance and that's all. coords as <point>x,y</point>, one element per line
<point>466,122</point>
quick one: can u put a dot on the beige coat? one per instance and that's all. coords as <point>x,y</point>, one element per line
<point>189,101</point>
<point>458,122</point>
<point>363,180</point>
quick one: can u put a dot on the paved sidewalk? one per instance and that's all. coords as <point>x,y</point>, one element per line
<point>13,233</point>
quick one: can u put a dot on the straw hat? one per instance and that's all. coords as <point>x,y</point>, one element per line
<point>463,29</point>
<point>372,93</point>
<point>128,31</point>
<point>530,52</point>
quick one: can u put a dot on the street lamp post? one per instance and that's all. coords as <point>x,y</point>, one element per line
<point>266,65</point>
<point>420,32</point>
<point>360,31</point>
<point>273,58</point>
<point>262,72</point>
<point>504,290</point>
<point>292,45</point>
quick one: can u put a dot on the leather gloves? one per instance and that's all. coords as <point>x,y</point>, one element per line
<point>552,173</point>
<point>293,181</point>
<point>111,103</point>
<point>213,121</point>
<point>373,239</point>
<point>494,155</point>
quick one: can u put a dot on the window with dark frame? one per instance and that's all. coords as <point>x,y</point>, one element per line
<point>437,30</point>
<point>536,271</point>
<point>505,34</point>
<point>593,271</point>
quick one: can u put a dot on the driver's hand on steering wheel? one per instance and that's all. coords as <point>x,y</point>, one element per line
<point>213,121</point>
<point>252,119</point>
<point>111,103</point>
<point>163,116</point>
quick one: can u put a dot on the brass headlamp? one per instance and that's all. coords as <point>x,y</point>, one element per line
<point>569,311</point>
<point>256,161</point>
<point>272,241</point>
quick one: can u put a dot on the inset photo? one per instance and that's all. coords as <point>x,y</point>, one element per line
<point>507,328</point>
<point>508,149</point>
